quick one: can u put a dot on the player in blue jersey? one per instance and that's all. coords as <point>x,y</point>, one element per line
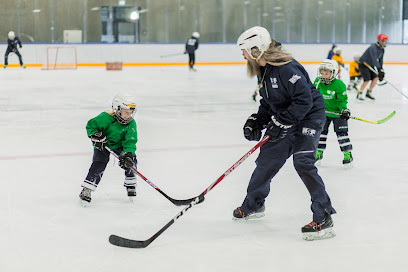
<point>191,47</point>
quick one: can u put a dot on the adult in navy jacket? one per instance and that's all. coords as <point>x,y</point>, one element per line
<point>293,113</point>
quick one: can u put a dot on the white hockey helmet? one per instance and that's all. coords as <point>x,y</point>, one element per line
<point>196,35</point>
<point>120,102</point>
<point>11,35</point>
<point>329,65</point>
<point>257,38</point>
<point>337,50</point>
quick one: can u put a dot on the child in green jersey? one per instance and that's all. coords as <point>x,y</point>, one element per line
<point>335,99</point>
<point>115,129</point>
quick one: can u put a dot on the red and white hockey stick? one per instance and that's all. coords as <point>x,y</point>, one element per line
<point>124,242</point>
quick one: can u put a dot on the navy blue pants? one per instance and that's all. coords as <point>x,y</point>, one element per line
<point>99,161</point>
<point>341,129</point>
<point>301,142</point>
<point>16,52</point>
<point>191,59</point>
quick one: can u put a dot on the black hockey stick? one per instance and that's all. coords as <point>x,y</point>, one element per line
<point>384,81</point>
<point>177,202</point>
<point>124,242</point>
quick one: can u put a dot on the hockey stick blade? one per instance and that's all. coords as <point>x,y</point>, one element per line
<point>128,243</point>
<point>123,242</point>
<point>177,202</point>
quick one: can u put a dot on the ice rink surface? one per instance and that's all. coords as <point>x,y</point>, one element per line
<point>190,132</point>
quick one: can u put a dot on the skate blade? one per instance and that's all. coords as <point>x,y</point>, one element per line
<point>318,163</point>
<point>84,203</point>
<point>131,199</point>
<point>320,235</point>
<point>348,165</point>
<point>250,217</point>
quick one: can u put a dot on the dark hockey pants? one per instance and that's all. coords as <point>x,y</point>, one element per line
<point>16,52</point>
<point>99,161</point>
<point>301,142</point>
<point>191,59</point>
<point>341,129</point>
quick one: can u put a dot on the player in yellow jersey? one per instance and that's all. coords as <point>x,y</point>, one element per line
<point>339,59</point>
<point>354,73</point>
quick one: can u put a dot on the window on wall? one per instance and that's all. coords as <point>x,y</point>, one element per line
<point>294,21</point>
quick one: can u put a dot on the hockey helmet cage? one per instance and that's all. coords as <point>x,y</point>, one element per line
<point>330,65</point>
<point>255,41</point>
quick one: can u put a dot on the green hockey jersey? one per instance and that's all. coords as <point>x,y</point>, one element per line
<point>334,95</point>
<point>117,134</point>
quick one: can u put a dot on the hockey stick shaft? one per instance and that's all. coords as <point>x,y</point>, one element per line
<point>177,202</point>
<point>368,121</point>
<point>171,55</point>
<point>232,168</point>
<point>123,242</point>
<point>375,72</point>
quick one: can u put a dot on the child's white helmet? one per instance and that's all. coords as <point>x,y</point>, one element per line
<point>11,35</point>
<point>123,102</point>
<point>330,65</point>
<point>196,35</point>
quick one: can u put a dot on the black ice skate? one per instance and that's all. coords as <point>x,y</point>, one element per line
<point>85,196</point>
<point>315,231</point>
<point>369,95</point>
<point>131,192</point>
<point>238,214</point>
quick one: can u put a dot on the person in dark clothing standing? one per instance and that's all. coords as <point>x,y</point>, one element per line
<point>331,52</point>
<point>372,59</point>
<point>191,47</point>
<point>293,113</point>
<point>13,41</point>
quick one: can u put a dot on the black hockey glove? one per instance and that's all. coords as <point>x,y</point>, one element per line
<point>252,128</point>
<point>381,74</point>
<point>126,160</point>
<point>345,114</point>
<point>276,130</point>
<point>99,141</point>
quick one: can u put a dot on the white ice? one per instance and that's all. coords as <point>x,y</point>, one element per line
<point>190,132</point>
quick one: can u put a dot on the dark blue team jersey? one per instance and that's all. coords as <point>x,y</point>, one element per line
<point>12,44</point>
<point>289,95</point>
<point>191,45</point>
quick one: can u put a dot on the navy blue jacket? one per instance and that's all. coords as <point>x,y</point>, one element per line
<point>191,45</point>
<point>373,56</point>
<point>12,44</point>
<point>289,95</point>
<point>330,55</point>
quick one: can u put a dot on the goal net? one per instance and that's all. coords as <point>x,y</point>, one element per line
<point>60,58</point>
